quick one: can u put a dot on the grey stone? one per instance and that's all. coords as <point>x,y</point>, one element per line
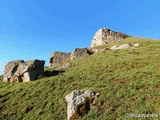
<point>20,71</point>
<point>79,52</point>
<point>59,58</point>
<point>78,97</point>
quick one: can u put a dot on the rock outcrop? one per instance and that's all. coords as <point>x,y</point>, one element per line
<point>79,103</point>
<point>102,37</point>
<point>20,71</point>
<point>105,36</point>
<point>61,58</point>
<point>124,46</point>
<point>79,52</point>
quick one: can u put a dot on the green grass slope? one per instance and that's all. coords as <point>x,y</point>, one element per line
<point>128,82</point>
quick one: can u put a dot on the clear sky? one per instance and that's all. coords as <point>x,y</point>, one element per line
<point>33,29</point>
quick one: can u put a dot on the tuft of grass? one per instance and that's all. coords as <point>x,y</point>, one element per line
<point>128,82</point>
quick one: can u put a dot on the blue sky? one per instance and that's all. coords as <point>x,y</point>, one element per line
<point>33,29</point>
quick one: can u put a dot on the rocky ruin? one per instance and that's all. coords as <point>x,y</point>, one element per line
<point>105,36</point>
<point>60,58</point>
<point>79,103</point>
<point>21,71</point>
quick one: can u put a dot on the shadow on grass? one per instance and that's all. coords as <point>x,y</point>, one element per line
<point>53,73</point>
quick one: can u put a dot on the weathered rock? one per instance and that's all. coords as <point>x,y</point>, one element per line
<point>99,50</point>
<point>78,103</point>
<point>136,44</point>
<point>20,71</point>
<point>79,52</point>
<point>59,58</point>
<point>105,36</point>
<point>123,46</point>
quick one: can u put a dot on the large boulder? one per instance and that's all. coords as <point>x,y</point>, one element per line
<point>21,71</point>
<point>59,58</point>
<point>79,52</point>
<point>105,36</point>
<point>78,103</point>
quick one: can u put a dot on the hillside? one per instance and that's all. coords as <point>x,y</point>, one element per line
<point>128,81</point>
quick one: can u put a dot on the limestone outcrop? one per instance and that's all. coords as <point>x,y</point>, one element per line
<point>61,58</point>
<point>124,46</point>
<point>21,71</point>
<point>102,37</point>
<point>79,103</point>
<point>79,52</point>
<point>105,36</point>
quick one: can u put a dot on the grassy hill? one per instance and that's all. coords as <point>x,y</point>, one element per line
<point>128,81</point>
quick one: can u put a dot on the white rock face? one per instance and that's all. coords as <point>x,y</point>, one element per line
<point>77,97</point>
<point>136,45</point>
<point>124,46</point>
<point>98,38</point>
<point>105,36</point>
